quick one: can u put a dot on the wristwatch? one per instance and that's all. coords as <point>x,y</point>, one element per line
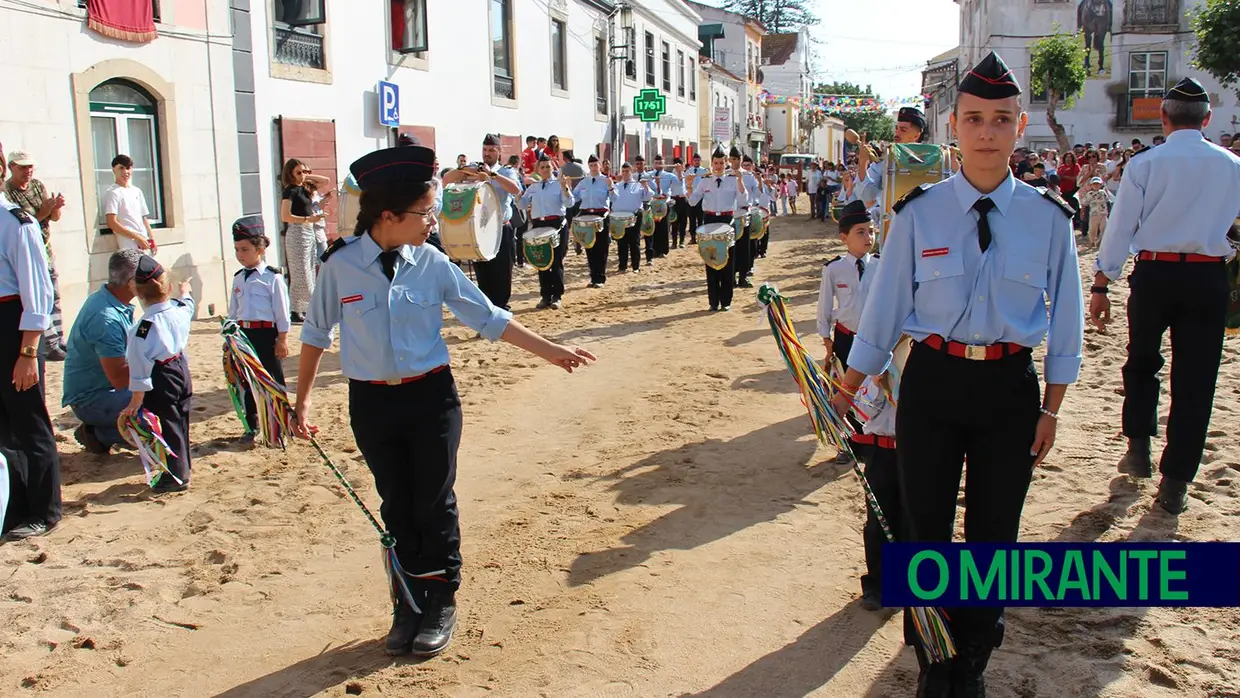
<point>30,351</point>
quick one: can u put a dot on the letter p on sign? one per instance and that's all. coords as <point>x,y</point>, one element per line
<point>389,104</point>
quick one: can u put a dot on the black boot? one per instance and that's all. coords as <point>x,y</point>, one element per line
<point>968,669</point>
<point>405,622</point>
<point>1137,462</point>
<point>935,679</point>
<point>438,623</point>
<point>1172,495</point>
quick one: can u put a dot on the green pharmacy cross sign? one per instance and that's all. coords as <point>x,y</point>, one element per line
<point>649,105</point>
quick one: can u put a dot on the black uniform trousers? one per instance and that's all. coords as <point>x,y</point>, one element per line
<point>681,205</point>
<point>841,344</point>
<point>1190,298</point>
<point>169,399</point>
<point>882,472</point>
<point>761,245</point>
<point>495,277</point>
<point>720,283</point>
<point>661,240</point>
<point>628,248</point>
<point>696,215</point>
<point>409,435</point>
<point>34,489</point>
<point>568,222</point>
<point>743,251</point>
<point>650,243</point>
<point>551,282</point>
<point>950,409</point>
<point>264,341</point>
<point>596,257</point>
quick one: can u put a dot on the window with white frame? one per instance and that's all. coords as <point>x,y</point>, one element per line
<point>667,68</point>
<point>124,120</point>
<point>601,64</point>
<point>630,63</point>
<point>503,75</point>
<point>650,67</point>
<point>680,77</point>
<point>409,26</point>
<point>1147,76</point>
<point>298,28</point>
<point>559,51</point>
<point>693,80</point>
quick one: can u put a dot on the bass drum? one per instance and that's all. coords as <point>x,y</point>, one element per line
<point>471,223</point>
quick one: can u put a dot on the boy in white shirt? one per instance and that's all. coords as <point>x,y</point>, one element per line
<point>126,210</point>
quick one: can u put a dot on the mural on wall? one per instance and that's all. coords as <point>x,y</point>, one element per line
<point>1093,24</point>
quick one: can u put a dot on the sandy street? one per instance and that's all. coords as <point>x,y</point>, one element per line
<point>662,523</point>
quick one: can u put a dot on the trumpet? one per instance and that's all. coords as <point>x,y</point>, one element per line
<point>852,137</point>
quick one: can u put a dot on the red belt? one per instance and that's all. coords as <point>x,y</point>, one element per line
<point>549,218</point>
<point>1173,257</point>
<point>844,330</point>
<point>170,359</point>
<point>6,299</point>
<point>256,324</point>
<point>875,440</point>
<point>970,351</point>
<point>677,197</point>
<point>594,210</point>
<point>409,379</point>
<point>720,213</point>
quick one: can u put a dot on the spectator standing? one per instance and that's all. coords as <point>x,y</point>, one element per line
<point>126,209</point>
<point>29,193</point>
<point>297,210</point>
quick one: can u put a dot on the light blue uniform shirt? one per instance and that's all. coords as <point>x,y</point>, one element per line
<point>506,200</point>
<point>23,266</point>
<point>594,192</point>
<point>751,189</point>
<point>260,294</point>
<point>166,336</point>
<point>629,197</point>
<point>547,199</point>
<point>935,279</point>
<point>872,186</point>
<point>678,185</point>
<point>718,194</point>
<point>663,183</point>
<point>391,330</point>
<point>1181,196</point>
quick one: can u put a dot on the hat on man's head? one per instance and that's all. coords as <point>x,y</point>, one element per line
<point>990,79</point>
<point>718,152</point>
<point>639,158</point>
<point>491,139</point>
<point>854,212</point>
<point>21,157</point>
<point>912,115</point>
<point>248,228</point>
<point>1186,90</point>
<point>735,152</point>
<point>148,269</point>
<point>409,164</point>
<point>593,158</point>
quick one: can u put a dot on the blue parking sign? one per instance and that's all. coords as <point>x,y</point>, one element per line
<point>389,104</point>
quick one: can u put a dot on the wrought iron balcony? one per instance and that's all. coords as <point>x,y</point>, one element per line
<point>600,105</point>
<point>1152,16</point>
<point>505,88</point>
<point>299,47</point>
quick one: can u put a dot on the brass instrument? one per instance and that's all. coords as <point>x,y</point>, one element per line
<point>852,137</point>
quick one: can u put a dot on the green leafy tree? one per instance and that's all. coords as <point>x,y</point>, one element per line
<point>878,125</point>
<point>1217,26</point>
<point>1057,67</point>
<point>778,16</point>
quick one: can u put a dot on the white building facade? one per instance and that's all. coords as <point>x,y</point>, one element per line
<point>1139,48</point>
<point>734,42</point>
<point>724,111</point>
<point>786,74</point>
<point>75,100</point>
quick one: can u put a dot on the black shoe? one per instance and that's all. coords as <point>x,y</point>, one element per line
<point>85,435</point>
<point>405,622</point>
<point>30,529</point>
<point>247,438</point>
<point>166,485</point>
<point>726,308</point>
<point>438,624</point>
<point>968,670</point>
<point>935,679</point>
<point>714,308</point>
<point>744,284</point>
<point>1172,495</point>
<point>871,600</point>
<point>1137,462</point>
<point>56,353</point>
<point>296,317</point>
<point>543,304</point>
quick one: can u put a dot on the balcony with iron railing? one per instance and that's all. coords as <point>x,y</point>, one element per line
<point>600,105</point>
<point>1152,16</point>
<point>505,87</point>
<point>300,47</point>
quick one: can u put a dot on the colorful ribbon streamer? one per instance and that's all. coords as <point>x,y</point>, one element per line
<point>243,369</point>
<point>144,432</point>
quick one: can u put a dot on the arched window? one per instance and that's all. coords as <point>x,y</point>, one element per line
<point>124,120</point>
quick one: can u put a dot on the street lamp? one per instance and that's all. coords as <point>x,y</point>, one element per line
<point>618,52</point>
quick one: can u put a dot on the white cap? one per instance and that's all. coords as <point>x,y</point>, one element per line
<point>21,157</point>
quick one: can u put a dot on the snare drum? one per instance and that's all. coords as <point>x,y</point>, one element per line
<point>714,243</point>
<point>739,221</point>
<point>586,228</point>
<point>620,223</point>
<point>658,206</point>
<point>758,218</point>
<point>540,244</point>
<point>471,224</point>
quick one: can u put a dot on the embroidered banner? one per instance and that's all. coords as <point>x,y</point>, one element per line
<point>126,20</point>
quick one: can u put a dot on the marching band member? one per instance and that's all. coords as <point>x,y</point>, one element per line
<point>767,199</point>
<point>910,128</point>
<point>968,267</point>
<point>719,194</point>
<point>549,200</point>
<point>594,193</point>
<point>680,203</point>
<point>259,303</point>
<point>662,183</point>
<point>495,276</point>
<point>1176,204</point>
<point>386,289</point>
<point>745,246</point>
<point>695,212</point>
<point>159,376</point>
<point>629,196</point>
<point>839,303</point>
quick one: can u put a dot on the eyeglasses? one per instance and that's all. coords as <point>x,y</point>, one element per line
<point>426,215</point>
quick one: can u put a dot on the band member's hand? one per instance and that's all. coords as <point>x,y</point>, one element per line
<point>1100,310</point>
<point>830,350</point>
<point>301,422</point>
<point>131,409</point>
<point>842,402</point>
<point>25,373</point>
<point>186,288</point>
<point>281,348</point>
<point>569,358</point>
<point>1043,438</point>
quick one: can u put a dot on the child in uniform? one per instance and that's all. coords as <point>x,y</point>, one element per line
<point>158,370</point>
<point>259,303</point>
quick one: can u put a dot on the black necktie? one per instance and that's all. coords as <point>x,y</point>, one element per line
<point>248,272</point>
<point>718,181</point>
<point>983,207</point>
<point>544,186</point>
<point>860,269</point>
<point>388,260</point>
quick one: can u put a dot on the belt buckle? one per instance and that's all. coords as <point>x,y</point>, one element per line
<point>393,381</point>
<point>974,352</point>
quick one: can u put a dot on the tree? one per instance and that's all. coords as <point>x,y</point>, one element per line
<point>1217,26</point>
<point>778,16</point>
<point>878,125</point>
<point>1057,67</point>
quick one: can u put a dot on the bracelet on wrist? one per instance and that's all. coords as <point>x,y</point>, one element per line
<point>1048,413</point>
<point>1098,289</point>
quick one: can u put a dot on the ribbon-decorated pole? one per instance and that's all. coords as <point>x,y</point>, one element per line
<point>144,432</point>
<point>816,386</point>
<point>244,370</point>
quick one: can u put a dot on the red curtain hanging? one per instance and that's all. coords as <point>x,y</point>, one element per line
<point>125,20</point>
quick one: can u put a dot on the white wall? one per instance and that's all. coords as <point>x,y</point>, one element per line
<point>674,22</point>
<point>727,92</point>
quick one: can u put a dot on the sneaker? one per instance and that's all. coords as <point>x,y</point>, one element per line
<point>31,529</point>
<point>56,353</point>
<point>555,304</point>
<point>85,435</point>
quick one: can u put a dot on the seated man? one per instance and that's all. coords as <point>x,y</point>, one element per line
<point>96,383</point>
